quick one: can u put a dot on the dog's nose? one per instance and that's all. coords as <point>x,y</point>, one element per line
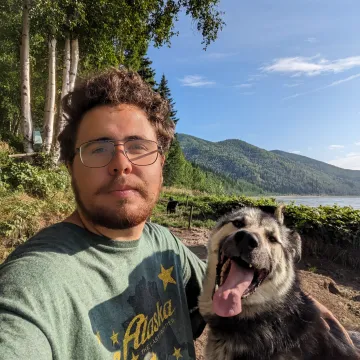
<point>246,240</point>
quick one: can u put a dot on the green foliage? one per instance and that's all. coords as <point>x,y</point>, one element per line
<point>22,176</point>
<point>339,225</point>
<point>179,172</point>
<point>270,171</point>
<point>312,269</point>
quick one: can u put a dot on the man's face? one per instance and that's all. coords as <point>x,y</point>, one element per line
<point>120,195</point>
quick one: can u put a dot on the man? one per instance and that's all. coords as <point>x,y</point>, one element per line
<point>104,283</point>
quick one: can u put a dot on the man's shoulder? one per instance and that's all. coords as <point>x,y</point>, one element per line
<point>44,257</point>
<point>49,243</point>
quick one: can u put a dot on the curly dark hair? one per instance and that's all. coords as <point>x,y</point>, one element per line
<point>113,87</point>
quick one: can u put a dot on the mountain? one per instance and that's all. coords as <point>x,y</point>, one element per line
<point>275,171</point>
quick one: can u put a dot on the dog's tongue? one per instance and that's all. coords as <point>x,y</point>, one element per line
<point>227,298</point>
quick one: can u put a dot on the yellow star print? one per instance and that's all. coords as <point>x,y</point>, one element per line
<point>134,357</point>
<point>153,357</point>
<point>177,353</point>
<point>165,276</point>
<point>117,355</point>
<point>98,337</point>
<point>114,338</point>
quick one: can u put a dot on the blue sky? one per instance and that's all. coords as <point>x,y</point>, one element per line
<point>282,75</point>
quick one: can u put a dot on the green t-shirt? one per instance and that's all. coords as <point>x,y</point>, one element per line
<point>71,294</point>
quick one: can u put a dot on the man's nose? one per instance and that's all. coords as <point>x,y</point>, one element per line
<point>119,163</point>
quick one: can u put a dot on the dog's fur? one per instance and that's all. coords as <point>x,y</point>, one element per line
<point>171,206</point>
<point>278,321</point>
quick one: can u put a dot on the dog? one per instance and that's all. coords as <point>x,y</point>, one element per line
<point>251,296</point>
<point>171,206</point>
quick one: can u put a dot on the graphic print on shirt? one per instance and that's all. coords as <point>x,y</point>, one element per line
<point>156,309</point>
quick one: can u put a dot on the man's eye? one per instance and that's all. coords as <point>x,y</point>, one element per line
<point>137,147</point>
<point>99,150</point>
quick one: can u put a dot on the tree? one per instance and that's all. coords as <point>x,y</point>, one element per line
<point>174,168</point>
<point>49,113</point>
<point>147,72</point>
<point>165,92</point>
<point>25,79</point>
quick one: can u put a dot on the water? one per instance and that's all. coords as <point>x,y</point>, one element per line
<point>321,200</point>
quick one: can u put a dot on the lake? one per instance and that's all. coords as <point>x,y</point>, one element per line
<point>322,200</point>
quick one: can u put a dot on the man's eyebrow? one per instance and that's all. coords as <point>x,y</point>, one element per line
<point>132,137</point>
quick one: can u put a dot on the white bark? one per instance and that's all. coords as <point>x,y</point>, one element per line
<point>74,62</point>
<point>49,115</point>
<point>27,126</point>
<point>60,124</point>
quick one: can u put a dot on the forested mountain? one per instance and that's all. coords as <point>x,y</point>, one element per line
<point>273,171</point>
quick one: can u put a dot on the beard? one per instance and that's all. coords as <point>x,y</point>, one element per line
<point>125,215</point>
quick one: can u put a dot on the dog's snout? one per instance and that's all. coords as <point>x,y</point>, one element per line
<point>246,240</point>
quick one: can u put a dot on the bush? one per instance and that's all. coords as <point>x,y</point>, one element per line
<point>33,180</point>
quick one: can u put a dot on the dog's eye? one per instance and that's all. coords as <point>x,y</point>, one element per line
<point>238,223</point>
<point>272,238</point>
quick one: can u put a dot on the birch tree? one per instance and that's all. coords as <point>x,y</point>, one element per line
<point>73,63</point>
<point>27,126</point>
<point>49,113</point>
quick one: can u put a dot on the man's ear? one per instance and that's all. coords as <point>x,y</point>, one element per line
<point>162,160</point>
<point>68,167</point>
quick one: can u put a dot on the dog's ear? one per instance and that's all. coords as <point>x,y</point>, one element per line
<point>295,245</point>
<point>279,214</point>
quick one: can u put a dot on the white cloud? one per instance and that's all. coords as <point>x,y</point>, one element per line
<point>309,148</point>
<point>350,161</point>
<point>311,40</point>
<point>296,152</point>
<point>357,143</point>
<point>334,147</point>
<point>244,86</point>
<point>195,81</point>
<point>311,66</point>
<point>334,83</point>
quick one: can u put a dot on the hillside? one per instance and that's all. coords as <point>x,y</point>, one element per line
<point>273,171</point>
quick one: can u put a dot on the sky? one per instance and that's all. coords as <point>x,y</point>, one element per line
<point>282,75</point>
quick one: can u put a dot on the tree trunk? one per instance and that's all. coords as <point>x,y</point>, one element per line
<point>74,62</point>
<point>60,124</point>
<point>27,126</point>
<point>48,128</point>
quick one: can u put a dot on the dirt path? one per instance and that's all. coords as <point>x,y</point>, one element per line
<point>334,286</point>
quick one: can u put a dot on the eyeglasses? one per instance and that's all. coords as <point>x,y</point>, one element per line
<point>99,153</point>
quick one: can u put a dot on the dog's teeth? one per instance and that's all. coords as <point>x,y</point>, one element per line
<point>216,287</point>
<point>250,266</point>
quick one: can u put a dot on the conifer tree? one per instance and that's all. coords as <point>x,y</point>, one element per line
<point>165,92</point>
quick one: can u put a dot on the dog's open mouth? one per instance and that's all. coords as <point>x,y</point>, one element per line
<point>236,279</point>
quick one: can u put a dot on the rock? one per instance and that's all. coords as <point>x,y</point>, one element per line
<point>331,286</point>
<point>333,289</point>
<point>356,298</point>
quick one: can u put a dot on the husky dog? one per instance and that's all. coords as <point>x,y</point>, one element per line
<point>251,297</point>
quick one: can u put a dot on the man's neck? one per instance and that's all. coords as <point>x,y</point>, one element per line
<point>79,219</point>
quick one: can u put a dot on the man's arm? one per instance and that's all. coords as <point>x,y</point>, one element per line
<point>331,322</point>
<point>193,273</point>
<point>21,339</point>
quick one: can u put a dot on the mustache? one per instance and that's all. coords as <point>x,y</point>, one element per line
<point>120,181</point>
